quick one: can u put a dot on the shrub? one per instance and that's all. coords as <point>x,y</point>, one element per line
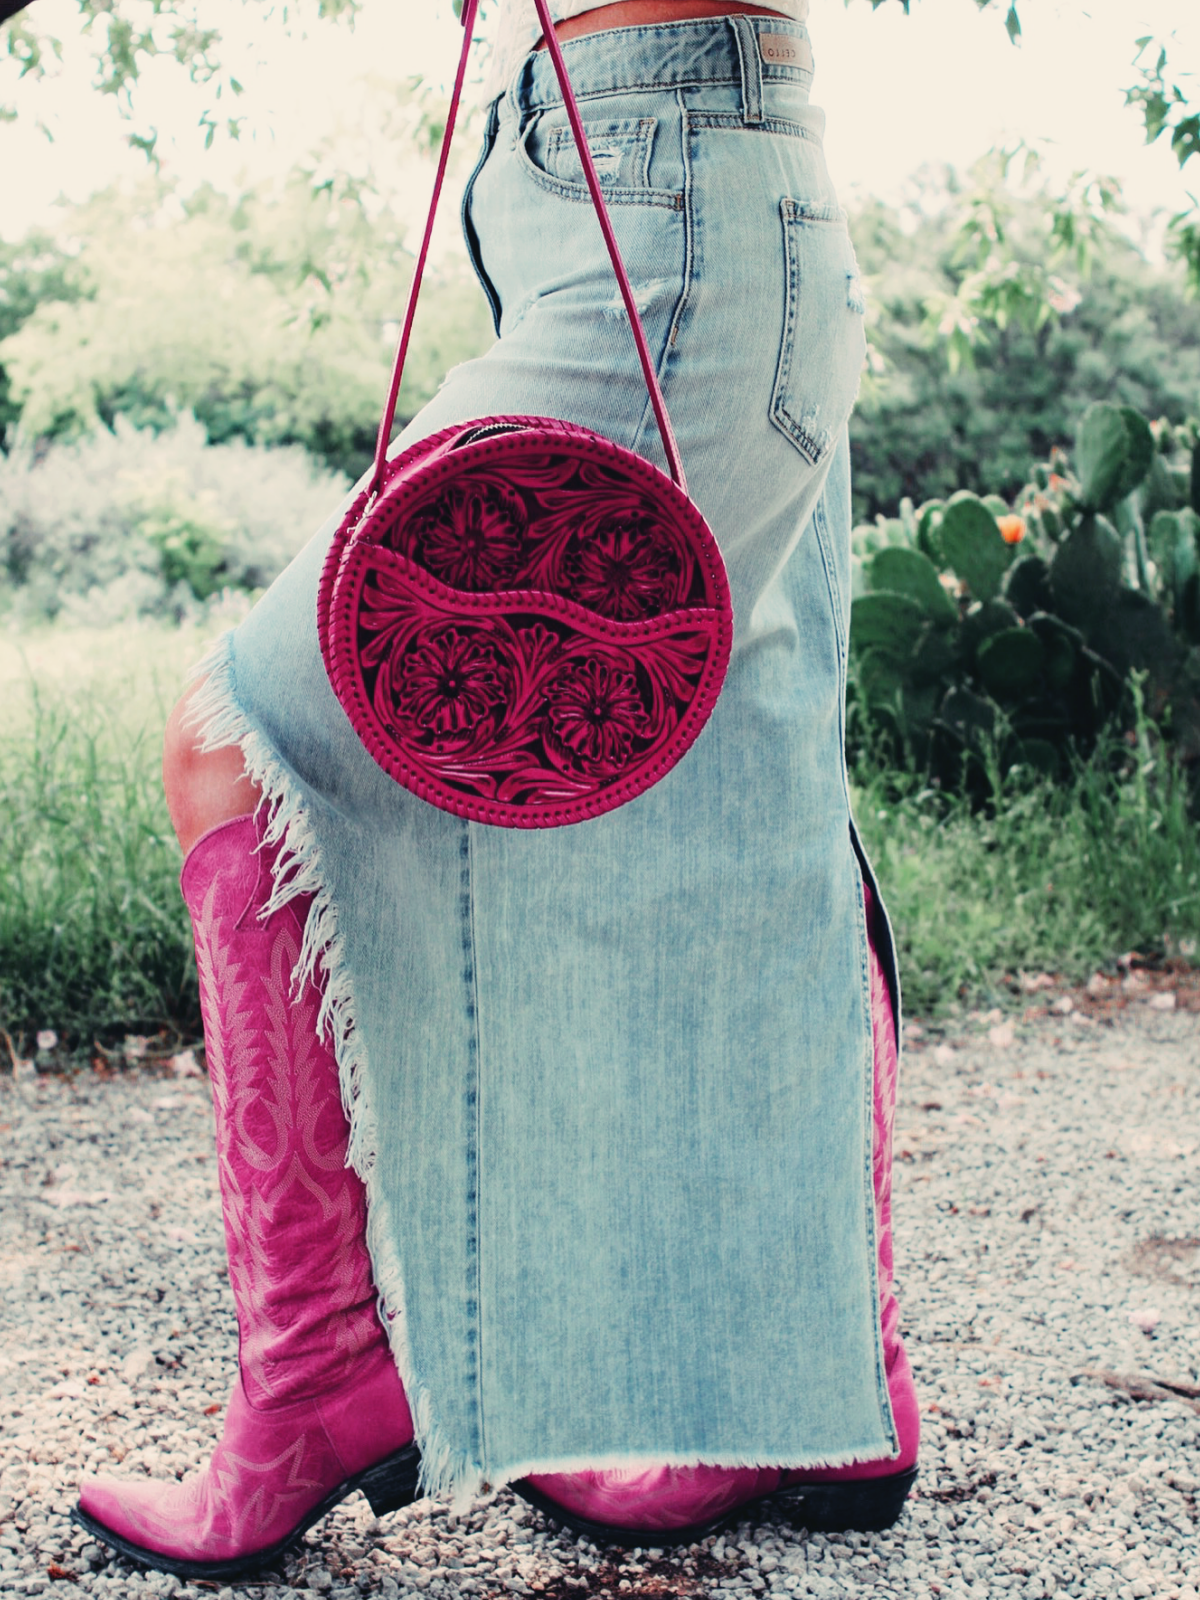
<point>270,317</point>
<point>133,523</point>
<point>1023,628</point>
<point>1125,333</point>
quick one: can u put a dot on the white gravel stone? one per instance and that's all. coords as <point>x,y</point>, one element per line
<point>1046,1196</point>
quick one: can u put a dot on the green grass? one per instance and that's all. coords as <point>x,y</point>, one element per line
<point>1047,878</point>
<point>94,940</point>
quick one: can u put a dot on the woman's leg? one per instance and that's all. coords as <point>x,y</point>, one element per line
<point>318,1409</point>
<point>204,788</point>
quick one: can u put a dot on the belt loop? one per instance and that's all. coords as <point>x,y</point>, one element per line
<point>746,35</point>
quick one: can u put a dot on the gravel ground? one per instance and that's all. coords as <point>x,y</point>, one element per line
<point>1049,1254</point>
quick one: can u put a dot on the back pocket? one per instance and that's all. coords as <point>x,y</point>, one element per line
<point>824,342</point>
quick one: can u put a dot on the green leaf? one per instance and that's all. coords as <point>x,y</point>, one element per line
<point>1028,586</point>
<point>1061,644</point>
<point>1185,140</point>
<point>890,624</point>
<point>973,545</point>
<point>909,572</point>
<point>1137,635</point>
<point>1086,571</point>
<point>929,521</point>
<point>1114,452</point>
<point>1187,609</point>
<point>935,656</point>
<point>1174,538</point>
<point>1041,756</point>
<point>969,718</point>
<point>984,620</point>
<point>1160,490</point>
<point>877,677</point>
<point>919,706</point>
<point>1011,662</point>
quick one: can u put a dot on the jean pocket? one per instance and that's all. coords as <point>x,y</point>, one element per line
<point>824,341</point>
<point>621,151</point>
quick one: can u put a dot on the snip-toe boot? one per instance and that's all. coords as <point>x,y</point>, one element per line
<point>667,1505</point>
<point>318,1409</point>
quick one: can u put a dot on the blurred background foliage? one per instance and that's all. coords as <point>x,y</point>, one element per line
<point>1000,310</point>
<point>976,370</point>
<point>269,316</point>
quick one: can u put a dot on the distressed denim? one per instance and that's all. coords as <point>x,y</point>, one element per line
<point>610,1084</point>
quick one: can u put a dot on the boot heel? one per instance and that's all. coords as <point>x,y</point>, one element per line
<point>865,1506</point>
<point>393,1483</point>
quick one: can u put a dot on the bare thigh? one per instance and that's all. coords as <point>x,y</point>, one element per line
<point>203,788</point>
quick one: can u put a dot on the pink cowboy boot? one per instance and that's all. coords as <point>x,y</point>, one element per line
<point>318,1409</point>
<point>678,1505</point>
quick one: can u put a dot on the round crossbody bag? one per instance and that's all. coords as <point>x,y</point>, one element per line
<point>526,624</point>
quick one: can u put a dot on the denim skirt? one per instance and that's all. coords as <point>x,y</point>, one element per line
<point>610,1084</point>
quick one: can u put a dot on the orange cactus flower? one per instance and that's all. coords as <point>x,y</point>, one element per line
<point>1012,529</point>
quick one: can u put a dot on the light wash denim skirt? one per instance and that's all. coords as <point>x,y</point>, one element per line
<point>610,1084</point>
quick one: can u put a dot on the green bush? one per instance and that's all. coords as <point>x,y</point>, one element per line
<point>133,523</point>
<point>1127,333</point>
<point>271,318</point>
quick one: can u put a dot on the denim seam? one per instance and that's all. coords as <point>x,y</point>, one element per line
<point>653,34</point>
<point>887,954</point>
<point>636,139</point>
<point>786,75</point>
<point>833,589</point>
<point>730,119</point>
<point>821,530</point>
<point>802,77</point>
<point>750,56</point>
<point>664,360</point>
<point>472,1108</point>
<point>870,1215</point>
<point>796,213</point>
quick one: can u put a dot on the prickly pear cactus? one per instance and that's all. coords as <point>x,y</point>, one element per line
<point>1115,450</point>
<point>980,625</point>
<point>1085,573</point>
<point>973,545</point>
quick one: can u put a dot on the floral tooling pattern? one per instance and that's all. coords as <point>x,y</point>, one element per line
<point>529,625</point>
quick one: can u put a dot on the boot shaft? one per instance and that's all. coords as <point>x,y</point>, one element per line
<point>295,1215</point>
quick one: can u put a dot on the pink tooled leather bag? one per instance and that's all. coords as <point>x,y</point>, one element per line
<point>526,624</point>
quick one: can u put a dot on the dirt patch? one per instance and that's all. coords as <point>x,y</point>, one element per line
<point>1167,1260</point>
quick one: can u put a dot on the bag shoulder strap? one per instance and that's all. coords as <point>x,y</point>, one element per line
<point>469,12</point>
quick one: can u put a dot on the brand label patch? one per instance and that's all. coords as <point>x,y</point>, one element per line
<point>781,50</point>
